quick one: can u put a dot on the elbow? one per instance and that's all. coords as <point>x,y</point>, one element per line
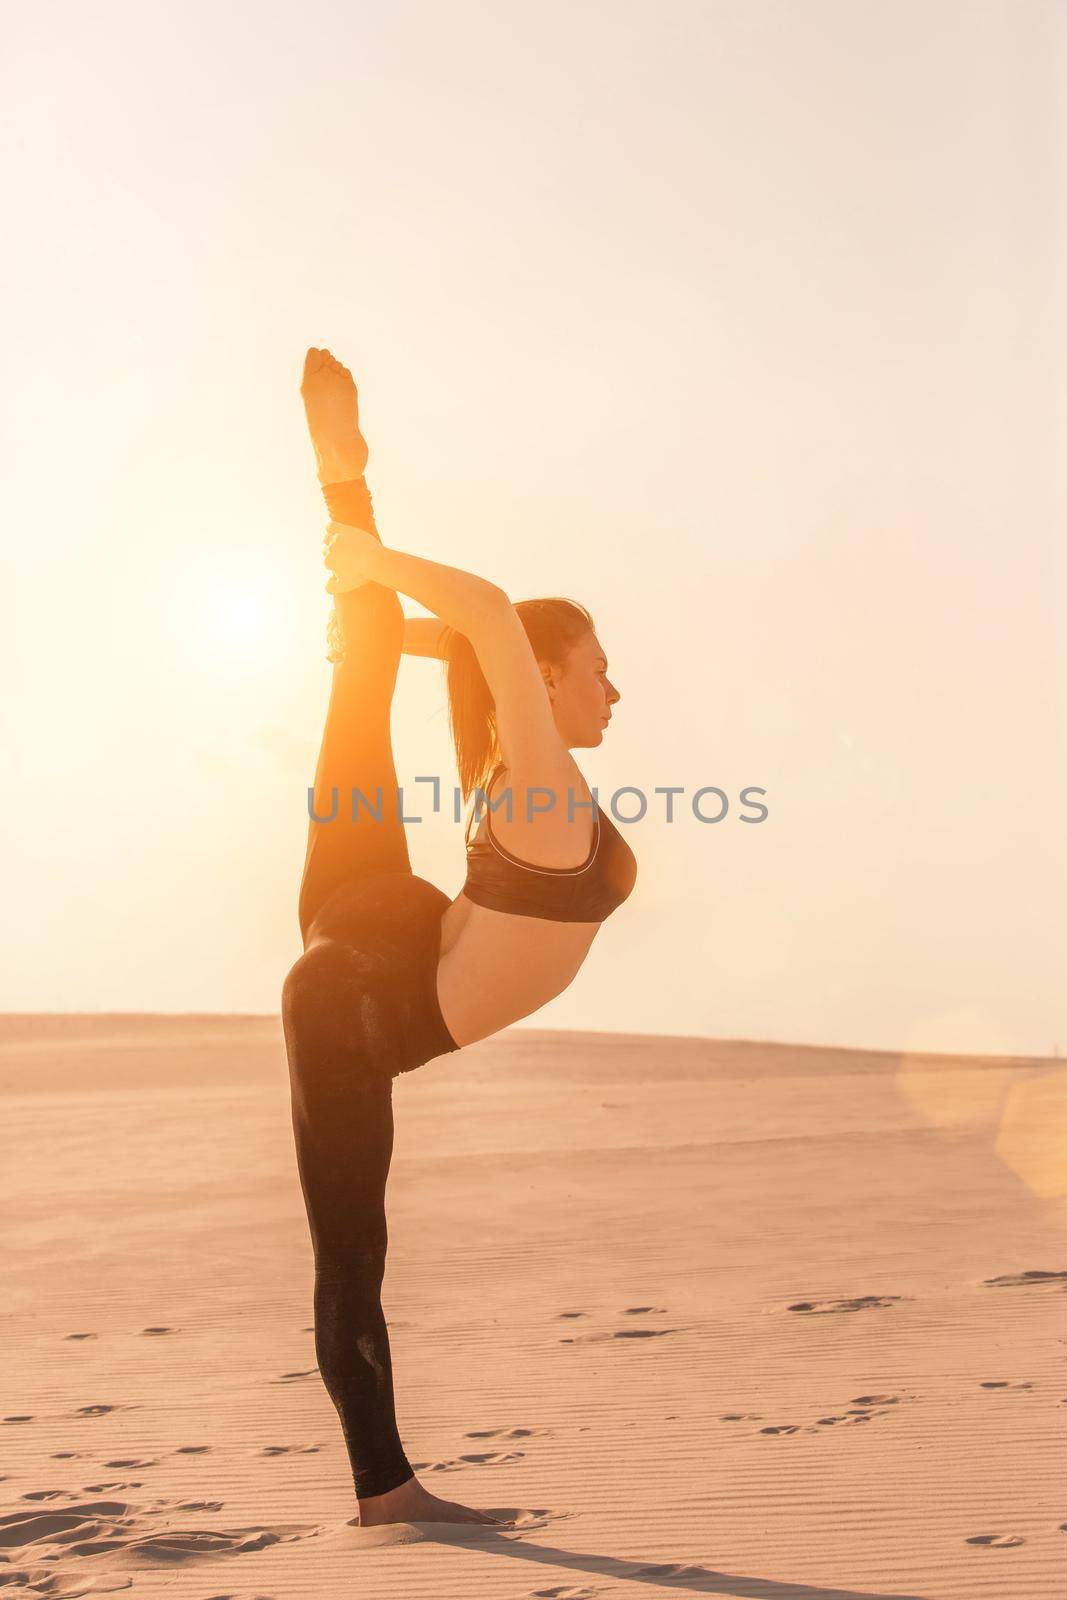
<point>496,597</point>
<point>490,604</point>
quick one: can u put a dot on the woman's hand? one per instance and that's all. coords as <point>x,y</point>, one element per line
<point>349,553</point>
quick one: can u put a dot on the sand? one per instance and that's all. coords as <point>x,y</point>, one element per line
<point>700,1317</point>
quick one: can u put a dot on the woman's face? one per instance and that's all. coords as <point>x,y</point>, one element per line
<point>582,694</point>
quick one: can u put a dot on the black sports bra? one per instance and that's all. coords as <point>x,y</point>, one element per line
<point>589,893</point>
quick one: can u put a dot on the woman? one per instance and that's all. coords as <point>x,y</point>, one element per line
<point>394,974</point>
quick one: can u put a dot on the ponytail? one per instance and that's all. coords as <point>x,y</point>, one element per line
<point>553,627</point>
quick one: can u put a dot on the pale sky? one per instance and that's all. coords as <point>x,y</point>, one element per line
<point>741,323</point>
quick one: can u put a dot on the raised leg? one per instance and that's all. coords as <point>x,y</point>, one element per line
<point>353,834</point>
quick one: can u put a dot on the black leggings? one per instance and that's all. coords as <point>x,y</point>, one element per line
<point>359,1007</point>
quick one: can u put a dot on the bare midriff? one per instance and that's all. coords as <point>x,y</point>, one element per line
<point>495,967</point>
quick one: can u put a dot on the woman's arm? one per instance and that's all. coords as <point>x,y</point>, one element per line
<point>529,739</point>
<point>461,599</point>
<point>425,636</point>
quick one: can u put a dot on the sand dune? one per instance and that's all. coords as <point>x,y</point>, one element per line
<point>700,1317</point>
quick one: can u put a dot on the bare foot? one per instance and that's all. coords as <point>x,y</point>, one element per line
<point>332,406</point>
<point>412,1503</point>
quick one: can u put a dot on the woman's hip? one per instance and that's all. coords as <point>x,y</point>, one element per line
<point>384,932</point>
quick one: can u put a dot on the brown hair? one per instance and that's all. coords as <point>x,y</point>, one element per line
<point>553,627</point>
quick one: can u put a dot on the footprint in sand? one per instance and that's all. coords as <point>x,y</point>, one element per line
<point>573,1313</point>
<point>624,1333</point>
<point>505,1433</point>
<point>482,1458</point>
<point>862,1409</point>
<point>566,1591</point>
<point>80,1336</point>
<point>67,1455</point>
<point>189,1450</point>
<point>134,1463</point>
<point>860,1303</point>
<point>1016,1280</point>
<point>292,1377</point>
<point>20,1419</point>
<point>112,1488</point>
<point>738,1416</point>
<point>1003,1383</point>
<point>48,1494</point>
<point>785,1427</point>
<point>101,1411</point>
<point>643,1333</point>
<point>157,1331</point>
<point>288,1450</point>
<point>997,1541</point>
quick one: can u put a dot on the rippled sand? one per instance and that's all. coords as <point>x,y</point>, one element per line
<point>705,1317</point>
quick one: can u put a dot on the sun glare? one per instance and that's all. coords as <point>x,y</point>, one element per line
<point>236,616</point>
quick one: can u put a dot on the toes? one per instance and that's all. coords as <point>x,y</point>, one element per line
<point>317,361</point>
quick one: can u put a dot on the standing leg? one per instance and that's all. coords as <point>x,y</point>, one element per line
<point>340,1040</point>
